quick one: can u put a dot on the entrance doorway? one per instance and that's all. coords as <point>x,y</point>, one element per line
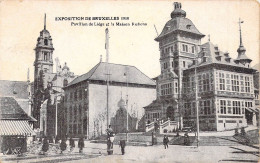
<point>170,113</point>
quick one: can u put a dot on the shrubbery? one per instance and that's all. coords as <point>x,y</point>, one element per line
<point>243,132</point>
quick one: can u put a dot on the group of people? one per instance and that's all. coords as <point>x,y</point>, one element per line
<point>63,144</point>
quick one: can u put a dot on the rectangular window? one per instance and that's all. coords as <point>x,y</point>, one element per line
<point>207,107</point>
<point>184,48</point>
<point>193,49</point>
<point>221,81</point>
<point>235,83</point>
<point>184,64</point>
<point>236,107</point>
<point>247,85</point>
<point>166,89</point>
<point>222,106</point>
<point>205,82</point>
<point>201,107</point>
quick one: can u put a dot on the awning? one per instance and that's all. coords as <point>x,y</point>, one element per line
<point>250,110</point>
<point>15,127</point>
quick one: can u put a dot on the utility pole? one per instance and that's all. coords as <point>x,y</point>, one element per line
<point>107,67</point>
<point>196,98</point>
<point>126,105</point>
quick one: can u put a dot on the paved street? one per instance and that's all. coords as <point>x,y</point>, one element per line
<point>97,153</point>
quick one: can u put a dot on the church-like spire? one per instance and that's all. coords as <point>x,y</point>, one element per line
<point>241,43</point>
<point>241,50</point>
<point>45,21</point>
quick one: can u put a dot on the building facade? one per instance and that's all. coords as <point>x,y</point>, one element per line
<point>87,98</point>
<point>225,86</point>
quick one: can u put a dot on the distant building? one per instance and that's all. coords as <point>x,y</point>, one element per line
<point>119,121</point>
<point>47,86</point>
<point>225,86</point>
<point>20,91</point>
<point>86,98</point>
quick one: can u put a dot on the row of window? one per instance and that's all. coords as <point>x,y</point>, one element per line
<point>233,107</point>
<point>167,89</point>
<point>77,128</point>
<point>152,115</point>
<point>238,84</point>
<point>76,95</point>
<point>205,83</point>
<point>185,48</point>
<point>203,106</point>
<point>76,113</point>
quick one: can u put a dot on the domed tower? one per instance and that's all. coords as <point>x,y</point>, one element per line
<point>43,52</point>
<point>179,43</point>
<point>43,66</point>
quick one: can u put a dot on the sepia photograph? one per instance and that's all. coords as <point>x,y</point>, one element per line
<point>129,81</point>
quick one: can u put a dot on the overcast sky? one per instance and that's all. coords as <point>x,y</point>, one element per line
<point>81,47</point>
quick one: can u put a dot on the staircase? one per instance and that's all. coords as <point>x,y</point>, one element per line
<point>216,141</point>
<point>163,125</point>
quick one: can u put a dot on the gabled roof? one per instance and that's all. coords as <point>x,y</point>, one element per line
<point>17,89</point>
<point>117,73</point>
<point>179,24</point>
<point>11,110</point>
<point>214,55</point>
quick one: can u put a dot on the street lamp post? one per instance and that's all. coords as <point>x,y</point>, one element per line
<point>56,115</point>
<point>196,97</point>
<point>126,104</point>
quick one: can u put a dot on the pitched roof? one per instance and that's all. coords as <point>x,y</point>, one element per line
<point>179,24</point>
<point>11,110</point>
<point>17,89</point>
<point>214,55</point>
<point>256,67</point>
<point>118,73</point>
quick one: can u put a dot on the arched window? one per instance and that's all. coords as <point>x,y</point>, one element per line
<point>45,42</point>
<point>65,82</point>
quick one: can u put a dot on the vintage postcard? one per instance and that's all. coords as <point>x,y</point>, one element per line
<point>129,81</point>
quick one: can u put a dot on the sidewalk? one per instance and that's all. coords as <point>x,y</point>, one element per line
<point>215,133</point>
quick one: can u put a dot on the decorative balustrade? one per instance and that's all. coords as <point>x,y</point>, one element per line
<point>163,124</point>
<point>149,127</point>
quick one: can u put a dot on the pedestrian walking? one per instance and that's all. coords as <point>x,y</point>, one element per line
<point>122,145</point>
<point>72,144</point>
<point>110,139</point>
<point>81,144</point>
<point>165,141</point>
<point>186,139</point>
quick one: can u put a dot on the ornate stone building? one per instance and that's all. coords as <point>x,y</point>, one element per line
<point>47,85</point>
<point>225,85</point>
